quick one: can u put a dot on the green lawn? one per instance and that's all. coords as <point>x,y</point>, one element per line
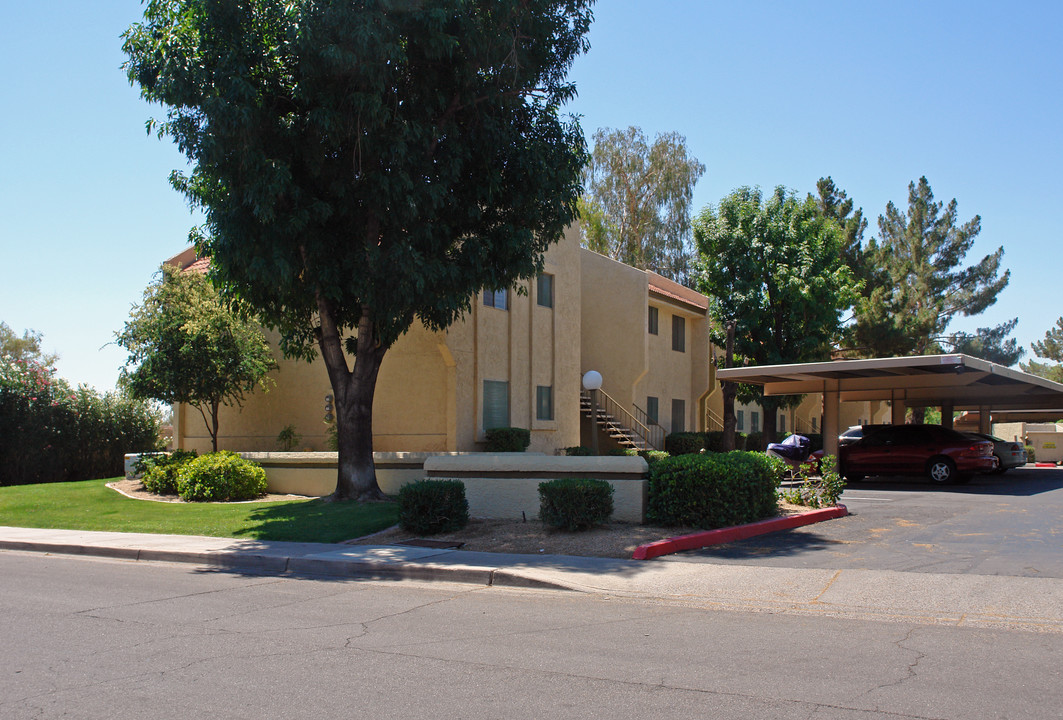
<point>90,505</point>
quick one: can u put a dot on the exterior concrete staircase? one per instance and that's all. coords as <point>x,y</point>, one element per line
<point>621,425</point>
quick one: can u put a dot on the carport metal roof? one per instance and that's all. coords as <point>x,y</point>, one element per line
<point>961,380</point>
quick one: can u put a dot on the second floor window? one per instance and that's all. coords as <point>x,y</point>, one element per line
<point>679,333</point>
<point>652,320</point>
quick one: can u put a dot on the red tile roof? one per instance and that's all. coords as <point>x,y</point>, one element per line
<point>200,266</point>
<point>696,300</point>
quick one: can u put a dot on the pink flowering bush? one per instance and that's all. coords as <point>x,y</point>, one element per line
<point>50,432</point>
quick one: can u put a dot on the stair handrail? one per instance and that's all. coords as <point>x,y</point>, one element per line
<point>655,428</point>
<point>716,420</point>
<point>612,407</point>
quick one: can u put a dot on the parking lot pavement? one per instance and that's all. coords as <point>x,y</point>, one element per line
<point>1009,524</point>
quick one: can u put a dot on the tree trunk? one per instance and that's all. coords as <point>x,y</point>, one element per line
<point>918,415</point>
<point>730,389</point>
<point>771,421</point>
<point>354,391</point>
<point>214,424</point>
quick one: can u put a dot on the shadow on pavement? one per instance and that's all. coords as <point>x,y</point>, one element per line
<point>1018,482</point>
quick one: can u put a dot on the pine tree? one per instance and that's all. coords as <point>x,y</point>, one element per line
<point>919,284</point>
<point>1051,348</point>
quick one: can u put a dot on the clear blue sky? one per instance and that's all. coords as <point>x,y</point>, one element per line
<point>874,94</point>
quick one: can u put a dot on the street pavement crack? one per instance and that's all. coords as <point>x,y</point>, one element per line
<point>910,670</point>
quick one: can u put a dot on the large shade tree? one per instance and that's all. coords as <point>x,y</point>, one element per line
<point>365,164</point>
<point>773,266</point>
<point>637,203</point>
<point>186,345</point>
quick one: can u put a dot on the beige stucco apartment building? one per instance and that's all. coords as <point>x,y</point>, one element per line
<point>517,360</point>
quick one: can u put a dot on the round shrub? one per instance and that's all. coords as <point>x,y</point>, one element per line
<point>508,439</point>
<point>160,471</point>
<point>713,490</point>
<point>755,442</point>
<point>578,451</point>
<point>575,503</point>
<point>220,476</point>
<point>684,443</point>
<point>427,507</point>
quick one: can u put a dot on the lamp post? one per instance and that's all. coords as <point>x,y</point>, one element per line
<point>592,382</point>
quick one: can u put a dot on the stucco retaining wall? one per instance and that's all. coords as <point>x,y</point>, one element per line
<point>314,473</point>
<point>506,486</point>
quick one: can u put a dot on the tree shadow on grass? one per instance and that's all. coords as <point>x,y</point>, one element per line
<point>318,521</point>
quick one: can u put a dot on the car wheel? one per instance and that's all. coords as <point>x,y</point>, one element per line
<point>1000,466</point>
<point>854,477</point>
<point>941,470</point>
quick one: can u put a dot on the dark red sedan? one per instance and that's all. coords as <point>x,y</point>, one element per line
<point>943,455</point>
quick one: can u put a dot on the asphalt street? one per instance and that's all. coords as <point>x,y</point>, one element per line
<point>1010,524</point>
<point>100,638</point>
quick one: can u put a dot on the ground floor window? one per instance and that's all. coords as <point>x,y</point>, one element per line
<point>740,420</point>
<point>782,423</point>
<point>544,402</point>
<point>679,415</point>
<point>754,421</point>
<point>653,409</point>
<point>496,404</point>
<point>496,299</point>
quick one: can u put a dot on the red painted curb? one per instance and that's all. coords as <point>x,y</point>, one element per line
<point>1044,464</point>
<point>731,534</point>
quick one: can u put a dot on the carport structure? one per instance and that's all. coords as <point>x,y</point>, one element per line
<point>951,382</point>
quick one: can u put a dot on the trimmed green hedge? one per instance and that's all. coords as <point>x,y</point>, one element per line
<point>684,443</point>
<point>220,476</point>
<point>714,441</point>
<point>575,503</point>
<point>428,507</point>
<point>579,451</point>
<point>509,439</point>
<point>713,490</point>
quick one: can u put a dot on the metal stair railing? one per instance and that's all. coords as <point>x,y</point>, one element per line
<point>623,424</point>
<point>716,420</point>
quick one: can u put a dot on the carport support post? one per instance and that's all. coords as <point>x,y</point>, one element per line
<point>897,410</point>
<point>983,420</point>
<point>947,408</point>
<point>831,413</point>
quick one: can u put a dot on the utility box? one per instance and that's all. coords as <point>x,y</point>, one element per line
<point>1047,443</point>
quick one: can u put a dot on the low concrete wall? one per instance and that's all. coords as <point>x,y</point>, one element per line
<point>507,485</point>
<point>314,473</point>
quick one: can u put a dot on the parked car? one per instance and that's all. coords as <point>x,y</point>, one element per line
<point>943,455</point>
<point>1009,453</point>
<point>855,432</point>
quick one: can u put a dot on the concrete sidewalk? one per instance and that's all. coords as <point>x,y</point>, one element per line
<point>964,600</point>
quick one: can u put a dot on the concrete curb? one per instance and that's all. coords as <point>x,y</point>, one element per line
<point>698,540</point>
<point>445,567</point>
